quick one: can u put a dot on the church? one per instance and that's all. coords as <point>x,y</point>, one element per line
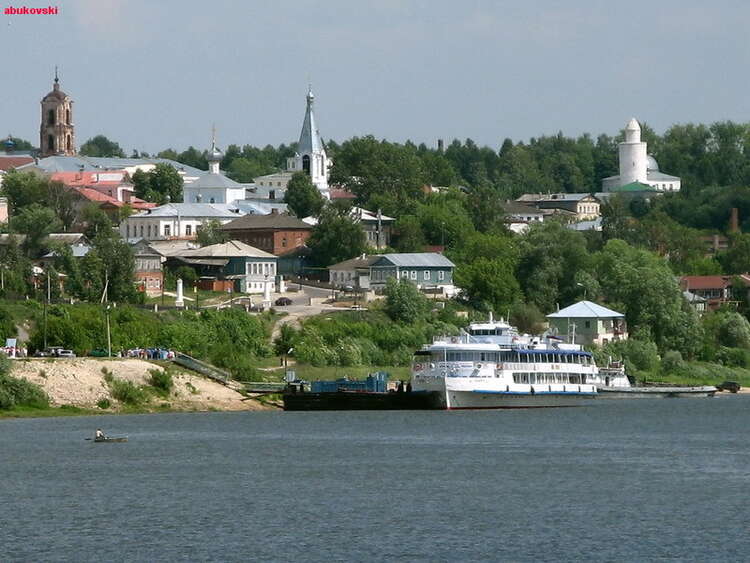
<point>638,169</point>
<point>310,157</point>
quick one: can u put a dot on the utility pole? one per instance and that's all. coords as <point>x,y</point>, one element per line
<point>109,337</point>
<point>46,302</point>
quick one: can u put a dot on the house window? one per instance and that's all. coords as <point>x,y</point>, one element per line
<point>167,230</point>
<point>127,231</point>
<point>188,230</point>
<point>306,163</point>
<point>212,200</point>
<point>272,194</point>
<point>426,275</point>
<point>588,324</point>
<point>69,143</point>
<point>404,274</point>
<point>441,275</point>
<point>50,143</point>
<point>141,231</point>
<point>414,275</point>
<point>149,231</point>
<point>67,116</point>
<point>51,117</point>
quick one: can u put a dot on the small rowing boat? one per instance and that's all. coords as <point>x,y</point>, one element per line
<point>111,440</point>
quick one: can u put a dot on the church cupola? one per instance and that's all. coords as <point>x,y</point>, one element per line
<point>214,155</point>
<point>56,133</point>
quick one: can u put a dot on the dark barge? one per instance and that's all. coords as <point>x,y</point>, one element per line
<point>349,395</point>
<point>361,401</point>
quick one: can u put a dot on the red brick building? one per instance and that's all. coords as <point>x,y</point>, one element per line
<point>274,233</point>
<point>716,290</point>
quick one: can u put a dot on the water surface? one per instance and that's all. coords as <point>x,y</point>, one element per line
<point>629,480</point>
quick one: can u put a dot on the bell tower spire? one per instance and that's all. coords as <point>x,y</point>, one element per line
<point>311,153</point>
<point>56,131</point>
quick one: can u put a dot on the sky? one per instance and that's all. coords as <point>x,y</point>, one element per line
<point>152,75</point>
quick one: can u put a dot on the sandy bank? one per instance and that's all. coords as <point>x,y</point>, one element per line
<point>80,382</point>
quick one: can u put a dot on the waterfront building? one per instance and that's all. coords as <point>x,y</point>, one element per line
<point>587,323</point>
<point>636,165</point>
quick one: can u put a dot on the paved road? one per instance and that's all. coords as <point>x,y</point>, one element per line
<point>300,308</point>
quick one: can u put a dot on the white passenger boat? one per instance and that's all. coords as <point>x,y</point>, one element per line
<point>490,366</point>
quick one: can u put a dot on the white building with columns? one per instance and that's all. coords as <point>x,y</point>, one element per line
<point>637,166</point>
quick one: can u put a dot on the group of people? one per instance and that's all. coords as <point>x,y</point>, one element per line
<point>147,354</point>
<point>15,351</point>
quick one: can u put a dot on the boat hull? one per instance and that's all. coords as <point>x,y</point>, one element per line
<point>655,392</point>
<point>478,399</point>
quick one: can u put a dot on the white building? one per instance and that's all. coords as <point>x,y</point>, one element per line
<point>636,165</point>
<point>213,187</point>
<point>174,221</point>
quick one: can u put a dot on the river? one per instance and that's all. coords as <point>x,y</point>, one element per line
<point>629,480</point>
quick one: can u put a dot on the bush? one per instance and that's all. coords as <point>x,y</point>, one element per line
<point>733,357</point>
<point>672,362</point>
<point>161,381</point>
<point>641,355</point>
<point>127,393</point>
<point>16,392</point>
<point>104,404</point>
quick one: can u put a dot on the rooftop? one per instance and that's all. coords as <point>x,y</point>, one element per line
<point>416,259</point>
<point>585,310</point>
<point>218,210</point>
<point>264,222</point>
<point>230,249</point>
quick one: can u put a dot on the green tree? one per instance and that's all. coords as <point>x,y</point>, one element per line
<point>404,302</point>
<point>303,198</point>
<point>642,285</point>
<point>36,222</point>
<point>210,233</point>
<point>551,256</point>
<point>161,185</point>
<point>336,237</point>
<point>101,146</point>
<point>408,234</point>
<point>488,284</point>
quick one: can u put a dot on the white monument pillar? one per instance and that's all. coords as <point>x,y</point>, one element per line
<point>267,293</point>
<point>179,301</point>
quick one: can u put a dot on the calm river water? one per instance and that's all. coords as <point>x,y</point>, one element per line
<point>620,480</point>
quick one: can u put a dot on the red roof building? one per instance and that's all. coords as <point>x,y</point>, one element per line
<point>716,290</point>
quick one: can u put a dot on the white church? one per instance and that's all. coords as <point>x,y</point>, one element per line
<point>310,157</point>
<point>637,166</point>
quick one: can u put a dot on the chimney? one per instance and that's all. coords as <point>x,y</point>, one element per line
<point>734,221</point>
<point>440,145</point>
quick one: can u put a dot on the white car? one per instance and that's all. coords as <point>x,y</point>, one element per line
<point>66,354</point>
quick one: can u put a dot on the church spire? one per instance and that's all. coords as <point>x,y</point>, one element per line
<point>309,138</point>
<point>214,155</point>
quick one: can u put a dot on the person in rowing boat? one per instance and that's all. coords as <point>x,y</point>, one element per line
<point>99,435</point>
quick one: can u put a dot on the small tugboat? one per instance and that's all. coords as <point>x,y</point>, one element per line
<point>612,383</point>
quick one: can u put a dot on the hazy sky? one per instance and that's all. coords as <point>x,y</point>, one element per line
<point>156,74</point>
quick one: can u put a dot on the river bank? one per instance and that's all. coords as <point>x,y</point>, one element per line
<point>93,386</point>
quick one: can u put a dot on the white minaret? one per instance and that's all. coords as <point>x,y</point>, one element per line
<point>215,156</point>
<point>311,154</point>
<point>633,156</point>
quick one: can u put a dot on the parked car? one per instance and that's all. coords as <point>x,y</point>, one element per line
<point>283,301</point>
<point>65,354</point>
<point>98,353</point>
